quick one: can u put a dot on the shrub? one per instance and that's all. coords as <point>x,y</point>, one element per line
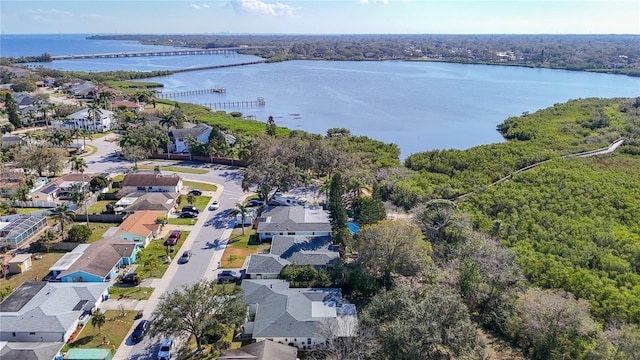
<point>79,233</point>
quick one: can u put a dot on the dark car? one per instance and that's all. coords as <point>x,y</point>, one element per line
<point>187,215</point>
<point>140,331</point>
<point>131,278</point>
<point>255,202</point>
<point>190,208</point>
<point>196,192</point>
<point>229,276</point>
<point>185,257</point>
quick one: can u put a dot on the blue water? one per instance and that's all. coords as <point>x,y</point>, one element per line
<point>353,227</point>
<point>417,105</point>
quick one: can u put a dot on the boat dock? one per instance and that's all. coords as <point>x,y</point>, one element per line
<point>236,104</point>
<point>168,95</point>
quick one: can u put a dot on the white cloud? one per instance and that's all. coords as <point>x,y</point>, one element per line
<point>198,7</point>
<point>274,9</point>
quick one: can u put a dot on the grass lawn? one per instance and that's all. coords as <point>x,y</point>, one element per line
<point>239,248</point>
<point>89,150</point>
<point>100,206</point>
<point>118,178</point>
<point>154,256</point>
<point>98,229</point>
<point>130,292</point>
<point>175,169</point>
<point>114,330</point>
<point>99,135</point>
<point>179,221</point>
<point>27,210</point>
<point>201,203</point>
<point>39,269</point>
<point>198,185</point>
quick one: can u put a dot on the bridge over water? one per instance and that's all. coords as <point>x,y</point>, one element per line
<point>172,52</point>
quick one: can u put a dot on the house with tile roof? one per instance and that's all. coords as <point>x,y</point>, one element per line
<point>178,137</point>
<point>140,227</point>
<point>295,316</point>
<point>48,312</point>
<point>127,104</point>
<point>151,182</point>
<point>293,221</point>
<point>100,261</point>
<point>317,251</point>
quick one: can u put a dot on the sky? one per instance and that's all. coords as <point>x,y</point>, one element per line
<point>320,17</point>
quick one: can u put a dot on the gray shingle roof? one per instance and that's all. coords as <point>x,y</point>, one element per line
<point>261,350</point>
<point>30,350</point>
<point>298,250</point>
<point>293,218</point>
<point>193,131</point>
<point>150,180</point>
<point>101,256</point>
<point>265,264</point>
<point>51,309</point>
<point>285,312</point>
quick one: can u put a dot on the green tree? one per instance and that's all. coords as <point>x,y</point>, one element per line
<point>243,211</point>
<point>11,108</point>
<point>97,320</point>
<point>191,199</point>
<point>337,211</point>
<point>367,210</point>
<point>62,214</point>
<point>430,322</point>
<point>271,126</point>
<point>79,233</point>
<point>98,183</point>
<point>198,308</point>
<point>94,112</point>
<point>391,246</point>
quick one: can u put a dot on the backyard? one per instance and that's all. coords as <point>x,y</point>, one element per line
<point>239,248</point>
<point>39,269</point>
<point>98,230</point>
<point>112,333</point>
<point>152,260</point>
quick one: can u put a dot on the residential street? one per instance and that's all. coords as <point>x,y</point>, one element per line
<point>211,226</point>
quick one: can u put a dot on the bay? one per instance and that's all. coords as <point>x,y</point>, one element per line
<point>418,105</point>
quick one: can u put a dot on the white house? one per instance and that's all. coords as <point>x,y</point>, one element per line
<point>178,137</point>
<point>293,221</point>
<point>83,120</point>
<point>151,182</point>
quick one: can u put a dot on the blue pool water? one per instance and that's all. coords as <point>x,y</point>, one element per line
<point>353,227</point>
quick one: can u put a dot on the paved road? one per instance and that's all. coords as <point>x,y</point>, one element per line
<point>211,226</point>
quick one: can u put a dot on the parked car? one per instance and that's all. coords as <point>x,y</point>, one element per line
<point>164,353</point>
<point>214,205</point>
<point>140,331</point>
<point>185,257</point>
<point>131,278</point>
<point>173,238</point>
<point>255,202</point>
<point>228,276</point>
<point>187,215</point>
<point>196,192</point>
<point>190,208</point>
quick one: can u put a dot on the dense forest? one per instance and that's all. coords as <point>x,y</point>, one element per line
<point>610,53</point>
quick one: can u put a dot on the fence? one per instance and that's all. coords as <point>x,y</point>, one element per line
<point>33,204</point>
<point>206,159</point>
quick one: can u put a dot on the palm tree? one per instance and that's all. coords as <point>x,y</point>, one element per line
<point>85,135</point>
<point>94,112</point>
<point>191,199</point>
<point>63,214</point>
<point>75,133</point>
<point>79,196</point>
<point>97,320</point>
<point>242,210</point>
<point>168,120</point>
<point>79,165</point>
<point>105,98</point>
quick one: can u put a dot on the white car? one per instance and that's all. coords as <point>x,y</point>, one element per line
<point>214,205</point>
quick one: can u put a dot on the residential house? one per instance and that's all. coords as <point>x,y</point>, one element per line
<point>164,202</point>
<point>99,262</point>
<point>47,193</point>
<point>42,312</point>
<point>317,251</point>
<point>178,137</point>
<point>127,104</point>
<point>21,229</point>
<point>10,140</point>
<point>29,350</point>
<point>151,182</point>
<point>262,350</point>
<point>81,89</point>
<point>84,120</point>
<point>297,316</point>
<point>140,227</point>
<point>293,221</point>
<point>72,182</point>
<point>20,263</point>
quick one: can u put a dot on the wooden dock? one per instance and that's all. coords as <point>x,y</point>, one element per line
<point>168,95</point>
<point>236,104</point>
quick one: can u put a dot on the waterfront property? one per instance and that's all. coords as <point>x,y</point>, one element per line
<point>180,137</point>
<point>84,119</point>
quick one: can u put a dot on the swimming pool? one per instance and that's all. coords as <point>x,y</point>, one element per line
<point>353,227</point>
